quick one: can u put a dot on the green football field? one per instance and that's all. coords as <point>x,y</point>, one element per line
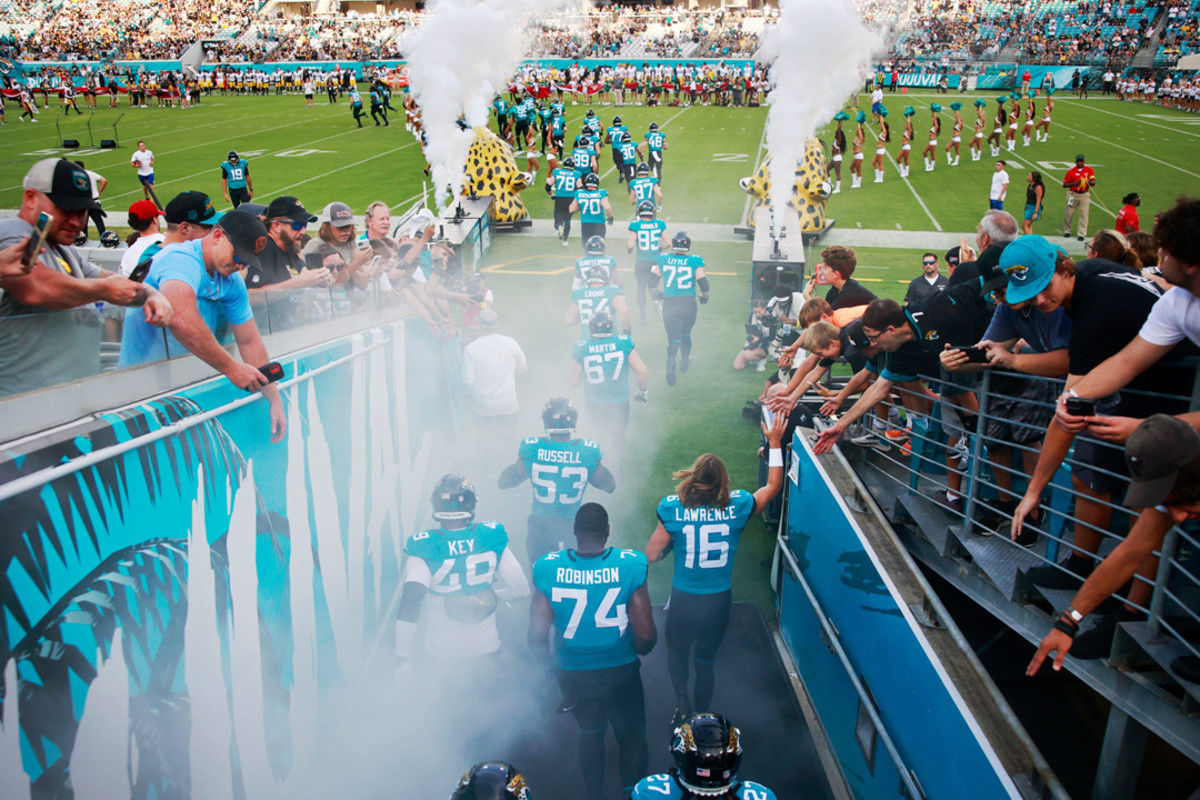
<point>319,155</point>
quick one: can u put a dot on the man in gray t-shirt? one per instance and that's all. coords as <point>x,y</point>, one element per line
<point>39,348</point>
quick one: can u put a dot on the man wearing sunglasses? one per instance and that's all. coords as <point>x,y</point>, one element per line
<point>928,283</point>
<point>281,265</point>
<point>202,280</point>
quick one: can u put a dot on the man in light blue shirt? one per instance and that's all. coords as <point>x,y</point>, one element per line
<point>202,279</point>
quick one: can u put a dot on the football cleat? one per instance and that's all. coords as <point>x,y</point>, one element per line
<point>670,372</point>
<point>453,498</point>
<point>601,324</point>
<point>707,752</point>
<point>559,415</point>
<point>492,780</point>
<point>594,246</point>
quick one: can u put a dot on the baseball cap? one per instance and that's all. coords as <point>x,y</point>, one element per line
<point>248,234</point>
<point>194,207</point>
<point>488,318</point>
<point>952,255</point>
<point>253,209</point>
<point>991,275</point>
<point>1155,452</point>
<point>289,208</point>
<point>144,210</point>
<point>420,221</point>
<point>339,215</point>
<point>1028,261</point>
<point>1079,157</point>
<point>67,185</point>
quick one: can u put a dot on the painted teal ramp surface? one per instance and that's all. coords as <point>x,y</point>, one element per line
<point>920,710</point>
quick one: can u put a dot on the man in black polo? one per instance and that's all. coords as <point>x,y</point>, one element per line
<point>282,266</point>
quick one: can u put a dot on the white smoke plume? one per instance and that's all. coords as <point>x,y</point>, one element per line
<point>462,55</point>
<point>819,51</point>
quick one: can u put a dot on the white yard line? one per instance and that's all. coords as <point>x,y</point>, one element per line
<point>1141,121</point>
<point>762,141</point>
<point>1109,143</point>
<point>912,189</point>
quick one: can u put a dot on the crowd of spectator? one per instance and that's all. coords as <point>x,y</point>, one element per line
<point>1045,32</point>
<point>1181,33</point>
<point>1124,317</point>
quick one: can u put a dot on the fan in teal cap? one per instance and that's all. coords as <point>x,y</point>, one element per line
<point>1029,262</point>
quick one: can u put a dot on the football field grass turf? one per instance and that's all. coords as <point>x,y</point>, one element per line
<point>319,155</point>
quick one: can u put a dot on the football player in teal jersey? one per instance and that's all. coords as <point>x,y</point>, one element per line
<point>235,179</point>
<point>630,156</point>
<point>708,756</point>
<point>457,572</point>
<point>583,157</point>
<point>500,105</point>
<point>655,144</point>
<point>562,183</point>
<point>597,294</point>
<point>648,236</point>
<point>492,780</point>
<point>613,137</point>
<point>594,209</point>
<point>594,598</point>
<point>560,468</point>
<point>703,523</point>
<point>594,249</point>
<point>558,134</point>
<point>592,123</point>
<point>681,273</point>
<point>644,187</point>
<point>603,362</point>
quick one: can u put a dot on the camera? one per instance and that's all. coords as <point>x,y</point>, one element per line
<point>1081,406</point>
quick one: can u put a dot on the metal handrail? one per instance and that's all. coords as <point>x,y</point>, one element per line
<point>1170,567</point>
<point>44,476</point>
